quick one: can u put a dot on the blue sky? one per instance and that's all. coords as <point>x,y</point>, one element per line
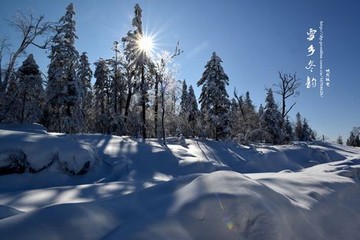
<point>254,38</point>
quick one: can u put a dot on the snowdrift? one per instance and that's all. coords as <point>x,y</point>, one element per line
<point>197,189</point>
<point>29,148</point>
<point>219,205</point>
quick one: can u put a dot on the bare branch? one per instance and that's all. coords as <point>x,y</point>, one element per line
<point>286,113</point>
<point>31,28</point>
<point>287,88</point>
<point>178,51</point>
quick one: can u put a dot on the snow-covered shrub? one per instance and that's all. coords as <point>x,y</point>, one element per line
<point>13,161</point>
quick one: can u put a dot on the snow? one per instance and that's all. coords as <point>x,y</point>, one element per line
<point>42,149</point>
<point>190,189</point>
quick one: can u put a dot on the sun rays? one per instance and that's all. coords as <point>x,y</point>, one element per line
<point>146,44</point>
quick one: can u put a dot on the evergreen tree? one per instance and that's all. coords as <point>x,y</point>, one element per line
<point>102,98</point>
<point>84,74</point>
<point>214,99</point>
<point>354,139</point>
<point>12,101</point>
<point>140,62</point>
<point>351,140</point>
<point>193,111</point>
<point>273,120</point>
<point>30,92</point>
<point>117,81</point>
<point>64,92</point>
<point>303,131</point>
<point>248,103</point>
<point>261,110</point>
<point>288,129</point>
<point>299,133</point>
<point>251,121</point>
<point>184,99</point>
<point>339,140</point>
<point>307,131</point>
<point>183,113</point>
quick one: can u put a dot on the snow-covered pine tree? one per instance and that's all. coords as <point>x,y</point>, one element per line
<point>84,74</point>
<point>214,99</point>
<point>272,120</point>
<point>117,80</point>
<point>248,103</point>
<point>288,130</point>
<point>261,110</point>
<point>251,121</point>
<point>183,113</point>
<point>102,98</point>
<point>117,90</point>
<point>12,104</point>
<point>184,99</point>
<point>193,112</point>
<point>354,139</point>
<point>339,140</point>
<point>30,92</point>
<point>298,131</point>
<point>139,62</point>
<point>64,92</point>
<point>245,121</point>
<point>308,134</point>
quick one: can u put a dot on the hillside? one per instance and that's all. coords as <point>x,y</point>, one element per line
<point>100,186</point>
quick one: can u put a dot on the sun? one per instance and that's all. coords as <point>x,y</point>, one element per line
<point>146,44</point>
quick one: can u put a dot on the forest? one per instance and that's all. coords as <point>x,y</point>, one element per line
<point>135,93</point>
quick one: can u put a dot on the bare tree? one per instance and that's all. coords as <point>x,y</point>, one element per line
<point>286,88</point>
<point>4,47</point>
<point>31,28</point>
<point>163,80</point>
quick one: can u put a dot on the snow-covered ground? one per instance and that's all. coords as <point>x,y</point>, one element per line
<point>101,186</point>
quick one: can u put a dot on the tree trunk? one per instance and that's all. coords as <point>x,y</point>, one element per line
<point>283,107</point>
<point>163,114</point>
<point>128,97</point>
<point>23,109</point>
<point>143,103</point>
<point>156,107</point>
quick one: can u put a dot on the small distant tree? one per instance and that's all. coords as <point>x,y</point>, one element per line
<point>289,133</point>
<point>299,134</point>
<point>308,134</point>
<point>354,138</point>
<point>339,140</point>
<point>272,119</point>
<point>303,131</point>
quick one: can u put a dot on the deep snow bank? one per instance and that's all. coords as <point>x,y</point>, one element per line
<point>219,205</point>
<point>29,148</point>
<point>195,189</point>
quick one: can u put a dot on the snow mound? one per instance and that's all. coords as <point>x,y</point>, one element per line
<point>29,148</point>
<point>6,212</point>
<point>25,127</point>
<point>219,205</point>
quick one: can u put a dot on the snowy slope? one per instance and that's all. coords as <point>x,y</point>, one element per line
<point>200,189</point>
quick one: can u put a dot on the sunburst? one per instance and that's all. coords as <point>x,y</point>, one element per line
<point>146,44</point>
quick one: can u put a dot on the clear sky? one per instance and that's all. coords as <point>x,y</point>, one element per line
<point>254,38</point>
